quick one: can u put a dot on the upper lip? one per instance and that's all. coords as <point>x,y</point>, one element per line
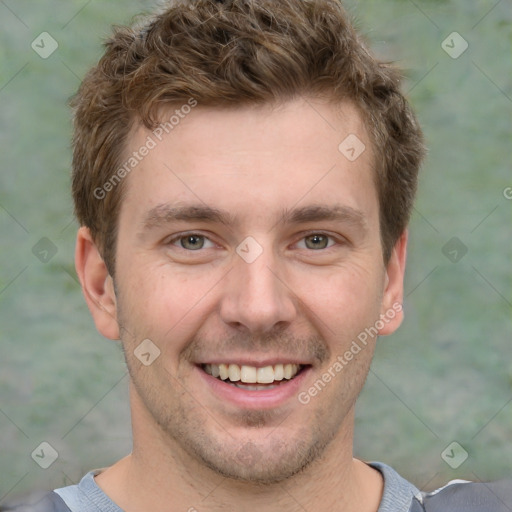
<point>259,363</point>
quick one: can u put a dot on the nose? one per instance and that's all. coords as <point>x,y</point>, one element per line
<point>256,297</point>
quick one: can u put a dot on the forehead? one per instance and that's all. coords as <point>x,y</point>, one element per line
<point>253,161</point>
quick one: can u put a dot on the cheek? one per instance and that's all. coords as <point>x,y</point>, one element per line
<point>159,302</point>
<point>344,298</point>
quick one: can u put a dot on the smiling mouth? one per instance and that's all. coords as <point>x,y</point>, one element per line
<point>254,378</point>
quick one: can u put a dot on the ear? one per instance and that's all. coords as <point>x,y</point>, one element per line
<point>97,284</point>
<point>391,312</point>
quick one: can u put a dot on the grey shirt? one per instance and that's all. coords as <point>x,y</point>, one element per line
<point>86,496</point>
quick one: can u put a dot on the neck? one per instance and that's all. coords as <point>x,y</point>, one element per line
<point>159,472</point>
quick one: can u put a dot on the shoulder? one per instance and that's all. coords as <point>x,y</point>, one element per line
<point>36,502</point>
<point>457,496</point>
<point>470,497</point>
<point>85,496</point>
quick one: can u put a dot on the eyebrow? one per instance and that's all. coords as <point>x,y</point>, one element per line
<point>315,213</point>
<point>163,214</point>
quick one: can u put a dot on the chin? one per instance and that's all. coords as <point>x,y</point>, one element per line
<point>262,465</point>
<point>255,456</point>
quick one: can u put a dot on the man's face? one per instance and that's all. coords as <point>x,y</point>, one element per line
<point>294,277</point>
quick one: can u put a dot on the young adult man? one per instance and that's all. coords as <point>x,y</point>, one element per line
<point>243,175</point>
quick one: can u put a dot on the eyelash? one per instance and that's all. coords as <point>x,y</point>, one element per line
<point>304,236</point>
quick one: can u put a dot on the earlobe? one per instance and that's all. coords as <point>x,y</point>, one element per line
<point>97,284</point>
<point>391,309</point>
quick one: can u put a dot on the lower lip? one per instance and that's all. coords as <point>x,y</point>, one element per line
<point>251,399</point>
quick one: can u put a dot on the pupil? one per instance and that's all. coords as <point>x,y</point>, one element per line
<point>317,240</point>
<point>193,242</point>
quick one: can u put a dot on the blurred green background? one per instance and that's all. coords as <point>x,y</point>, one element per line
<point>445,376</point>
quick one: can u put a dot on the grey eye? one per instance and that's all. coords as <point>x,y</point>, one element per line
<point>192,242</point>
<point>317,241</point>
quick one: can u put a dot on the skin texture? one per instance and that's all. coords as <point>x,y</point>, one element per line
<point>207,304</point>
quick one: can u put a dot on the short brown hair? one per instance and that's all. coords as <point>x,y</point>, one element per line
<point>229,53</point>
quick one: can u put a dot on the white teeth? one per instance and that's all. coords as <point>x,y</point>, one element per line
<point>278,372</point>
<point>265,375</point>
<point>223,371</point>
<point>234,372</point>
<point>248,374</point>
<point>252,374</point>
